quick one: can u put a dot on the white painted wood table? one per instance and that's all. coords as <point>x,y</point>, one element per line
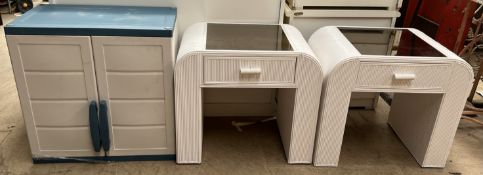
<point>430,83</point>
<point>247,56</point>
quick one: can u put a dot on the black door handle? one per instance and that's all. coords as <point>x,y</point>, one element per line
<point>94,126</point>
<point>104,126</point>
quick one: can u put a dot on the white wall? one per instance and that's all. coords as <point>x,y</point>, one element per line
<point>246,11</point>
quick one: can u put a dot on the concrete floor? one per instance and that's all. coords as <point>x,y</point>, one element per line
<point>369,147</point>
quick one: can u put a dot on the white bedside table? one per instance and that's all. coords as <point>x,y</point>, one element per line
<point>430,85</point>
<point>248,56</point>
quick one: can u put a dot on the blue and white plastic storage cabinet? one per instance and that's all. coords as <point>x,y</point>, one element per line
<point>95,82</point>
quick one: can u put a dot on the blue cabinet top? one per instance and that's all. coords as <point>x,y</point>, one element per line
<point>87,20</point>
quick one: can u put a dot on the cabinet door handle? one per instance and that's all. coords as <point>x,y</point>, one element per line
<point>104,126</point>
<point>404,76</point>
<point>94,126</point>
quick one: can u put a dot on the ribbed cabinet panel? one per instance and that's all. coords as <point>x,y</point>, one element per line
<point>333,109</point>
<point>444,130</point>
<point>188,111</point>
<point>309,85</point>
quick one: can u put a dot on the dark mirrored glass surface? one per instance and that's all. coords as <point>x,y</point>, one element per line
<point>246,37</point>
<point>390,42</point>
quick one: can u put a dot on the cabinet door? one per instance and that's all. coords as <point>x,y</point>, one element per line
<point>135,79</point>
<point>56,83</point>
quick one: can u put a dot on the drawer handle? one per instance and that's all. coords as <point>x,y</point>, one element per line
<point>250,70</point>
<point>402,76</point>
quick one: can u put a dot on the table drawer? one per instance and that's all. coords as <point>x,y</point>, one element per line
<point>402,75</point>
<point>266,70</point>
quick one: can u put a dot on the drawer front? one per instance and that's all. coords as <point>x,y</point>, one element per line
<point>399,75</point>
<point>266,70</point>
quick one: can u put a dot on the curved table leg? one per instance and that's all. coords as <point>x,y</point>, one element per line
<point>427,123</point>
<point>333,114</point>
<point>298,112</point>
<point>188,110</point>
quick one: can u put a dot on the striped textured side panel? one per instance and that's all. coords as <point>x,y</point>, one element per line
<point>188,119</point>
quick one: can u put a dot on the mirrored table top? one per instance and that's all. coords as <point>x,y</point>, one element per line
<point>388,42</point>
<point>246,37</point>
